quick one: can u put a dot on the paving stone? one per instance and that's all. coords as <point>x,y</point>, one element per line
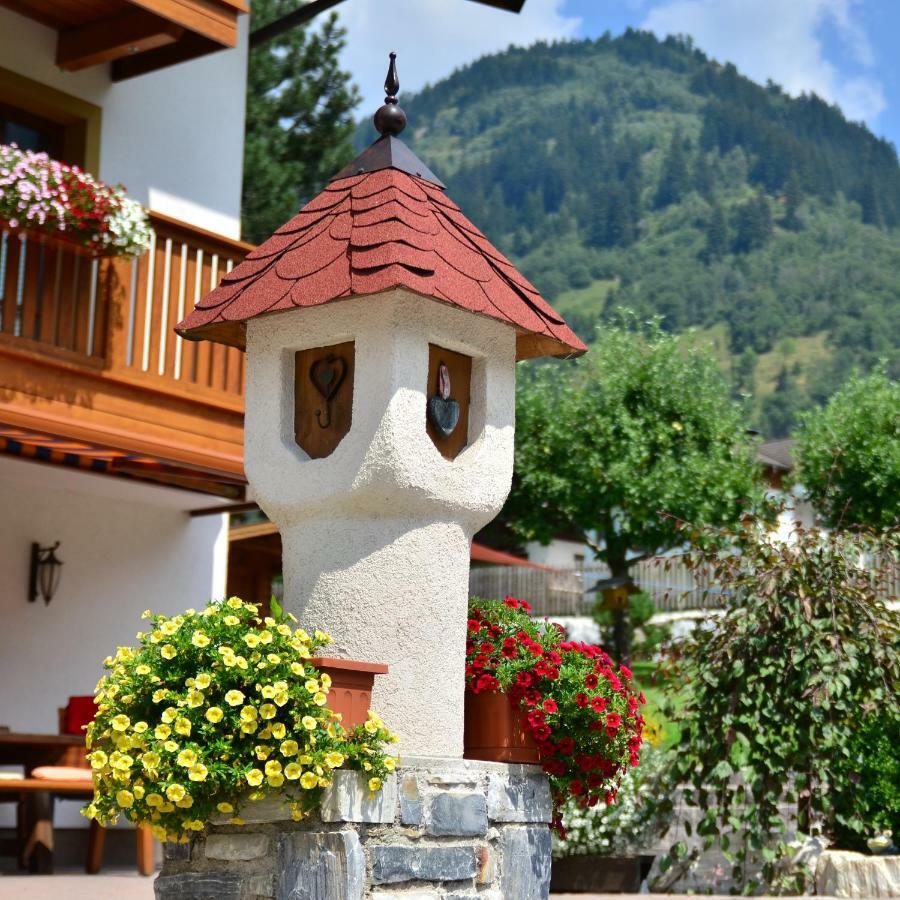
<point>237,846</point>
<point>198,886</point>
<point>349,799</point>
<point>393,863</point>
<point>320,866</point>
<point>519,799</point>
<point>457,813</point>
<point>412,811</point>
<point>525,870</point>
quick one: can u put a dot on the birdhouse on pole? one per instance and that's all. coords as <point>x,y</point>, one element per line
<point>382,330</point>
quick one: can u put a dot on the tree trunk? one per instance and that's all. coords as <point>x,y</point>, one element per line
<point>621,618</point>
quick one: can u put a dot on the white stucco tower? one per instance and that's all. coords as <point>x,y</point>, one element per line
<point>382,331</point>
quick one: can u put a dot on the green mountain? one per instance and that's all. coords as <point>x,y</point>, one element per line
<point>636,172</point>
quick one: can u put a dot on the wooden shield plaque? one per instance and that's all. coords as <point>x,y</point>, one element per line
<point>447,399</point>
<point>323,397</point>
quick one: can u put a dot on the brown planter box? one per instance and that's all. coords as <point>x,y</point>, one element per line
<point>351,686</point>
<point>599,874</point>
<point>496,730</point>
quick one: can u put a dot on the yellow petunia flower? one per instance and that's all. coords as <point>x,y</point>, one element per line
<point>142,669</point>
<point>276,780</point>
<point>234,602</point>
<point>334,759</point>
<point>175,792</point>
<point>234,697</point>
<point>169,628</point>
<point>231,620</point>
<point>298,669</point>
<point>312,686</point>
<point>390,763</point>
<point>325,678</point>
<point>374,784</point>
<point>140,727</point>
<point>248,713</point>
<point>98,759</point>
<point>273,767</point>
<point>202,681</point>
<point>224,807</point>
<point>199,639</point>
<point>154,800</point>
<point>161,732</point>
<point>125,799</point>
<point>167,651</point>
<point>214,714</point>
<point>268,691</point>
<point>249,727</point>
<point>183,726</point>
<point>281,698</point>
<point>254,777</point>
<point>292,771</point>
<point>169,714</point>
<point>186,802</point>
<point>265,637</point>
<point>309,780</point>
<point>150,760</point>
<point>120,722</point>
<point>251,640</point>
<point>268,711</point>
<point>160,695</point>
<point>290,748</point>
<point>171,746</point>
<point>195,699</point>
<point>198,772</point>
<point>309,723</point>
<point>320,699</point>
<point>262,751</point>
<point>278,730</point>
<point>186,758</point>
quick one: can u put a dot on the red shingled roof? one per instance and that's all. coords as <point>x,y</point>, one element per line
<point>371,232</point>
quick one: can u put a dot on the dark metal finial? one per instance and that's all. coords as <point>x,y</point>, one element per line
<point>390,119</point>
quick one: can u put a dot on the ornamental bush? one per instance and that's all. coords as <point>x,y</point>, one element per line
<point>45,195</point>
<point>215,708</point>
<point>580,709</point>
<point>779,689</point>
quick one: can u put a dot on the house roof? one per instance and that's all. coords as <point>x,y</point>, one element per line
<point>777,454</point>
<point>384,222</point>
<point>481,553</point>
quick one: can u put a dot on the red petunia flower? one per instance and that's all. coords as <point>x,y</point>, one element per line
<point>550,705</point>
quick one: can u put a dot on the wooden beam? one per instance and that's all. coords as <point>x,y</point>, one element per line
<point>105,40</point>
<point>249,506</point>
<point>205,18</point>
<point>299,16</point>
<point>191,46</point>
<point>248,532</point>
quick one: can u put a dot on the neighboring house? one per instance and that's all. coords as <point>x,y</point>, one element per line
<point>777,460</point>
<point>112,429</point>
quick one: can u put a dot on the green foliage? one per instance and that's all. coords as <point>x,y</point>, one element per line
<point>849,453</point>
<point>615,448</point>
<point>299,122</point>
<point>635,172</point>
<point>778,688</point>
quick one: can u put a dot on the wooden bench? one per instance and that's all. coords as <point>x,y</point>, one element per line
<point>36,796</point>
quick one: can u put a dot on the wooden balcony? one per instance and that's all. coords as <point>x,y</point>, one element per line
<point>88,354</point>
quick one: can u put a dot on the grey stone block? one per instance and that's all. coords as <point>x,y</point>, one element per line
<point>519,799</point>
<point>198,886</point>
<point>320,866</point>
<point>458,813</point>
<point>237,846</point>
<point>525,870</point>
<point>393,863</point>
<point>260,886</point>
<point>411,806</point>
<point>176,852</point>
<point>274,808</point>
<point>349,799</point>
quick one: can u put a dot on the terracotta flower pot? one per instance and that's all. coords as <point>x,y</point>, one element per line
<point>496,730</point>
<point>351,686</point>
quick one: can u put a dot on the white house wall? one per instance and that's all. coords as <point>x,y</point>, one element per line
<point>125,546</point>
<point>174,137</point>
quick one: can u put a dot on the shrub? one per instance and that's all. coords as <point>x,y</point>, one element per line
<point>215,708</point>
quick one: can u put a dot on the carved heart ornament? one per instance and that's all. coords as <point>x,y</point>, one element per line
<point>443,415</point>
<point>327,375</point>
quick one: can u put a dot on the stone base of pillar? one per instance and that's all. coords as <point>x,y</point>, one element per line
<point>439,829</point>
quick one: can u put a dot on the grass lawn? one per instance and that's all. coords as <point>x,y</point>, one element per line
<point>656,690</point>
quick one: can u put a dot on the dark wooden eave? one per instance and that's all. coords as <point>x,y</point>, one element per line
<point>134,36</point>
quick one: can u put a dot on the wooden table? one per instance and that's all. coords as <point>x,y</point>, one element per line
<point>35,799</point>
<point>33,750</point>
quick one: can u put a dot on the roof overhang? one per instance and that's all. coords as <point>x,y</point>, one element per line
<point>134,36</point>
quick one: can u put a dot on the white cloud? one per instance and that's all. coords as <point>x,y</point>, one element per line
<point>781,40</point>
<point>433,37</point>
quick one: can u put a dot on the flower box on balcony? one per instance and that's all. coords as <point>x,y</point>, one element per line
<point>351,686</point>
<point>60,201</point>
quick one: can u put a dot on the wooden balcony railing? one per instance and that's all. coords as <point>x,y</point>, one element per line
<point>93,339</point>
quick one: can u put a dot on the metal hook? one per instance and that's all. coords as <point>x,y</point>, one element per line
<point>327,423</point>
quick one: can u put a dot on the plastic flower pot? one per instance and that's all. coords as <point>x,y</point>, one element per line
<point>496,730</point>
<point>351,687</point>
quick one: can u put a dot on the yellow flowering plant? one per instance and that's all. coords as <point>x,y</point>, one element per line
<point>215,708</point>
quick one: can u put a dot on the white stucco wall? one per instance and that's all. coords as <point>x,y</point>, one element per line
<point>125,547</point>
<point>376,535</point>
<point>559,553</point>
<point>174,137</point>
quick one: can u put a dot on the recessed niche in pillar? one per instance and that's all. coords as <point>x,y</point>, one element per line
<point>323,397</point>
<point>447,411</point>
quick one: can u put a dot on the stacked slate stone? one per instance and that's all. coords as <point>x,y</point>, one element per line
<point>464,830</point>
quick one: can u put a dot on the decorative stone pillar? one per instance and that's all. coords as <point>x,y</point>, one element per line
<point>382,331</point>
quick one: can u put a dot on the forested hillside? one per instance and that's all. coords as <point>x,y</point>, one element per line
<point>640,173</point>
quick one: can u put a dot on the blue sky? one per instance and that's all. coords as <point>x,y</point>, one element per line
<point>844,50</point>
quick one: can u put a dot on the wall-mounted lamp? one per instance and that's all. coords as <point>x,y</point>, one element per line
<point>43,578</point>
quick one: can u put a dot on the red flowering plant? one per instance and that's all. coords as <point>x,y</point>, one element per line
<point>579,706</point>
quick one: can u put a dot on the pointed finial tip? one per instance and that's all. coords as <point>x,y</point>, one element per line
<point>390,119</point>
